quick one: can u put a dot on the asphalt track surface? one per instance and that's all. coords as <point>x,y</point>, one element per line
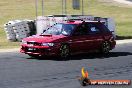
<point>21,71</point>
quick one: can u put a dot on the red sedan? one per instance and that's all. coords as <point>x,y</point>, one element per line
<point>72,37</point>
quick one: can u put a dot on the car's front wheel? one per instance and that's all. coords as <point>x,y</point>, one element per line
<point>64,51</point>
<point>105,48</point>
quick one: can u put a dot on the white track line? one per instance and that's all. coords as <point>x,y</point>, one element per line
<point>124,2</point>
<point>124,41</point>
<point>9,50</point>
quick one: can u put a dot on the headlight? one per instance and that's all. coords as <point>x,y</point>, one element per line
<point>47,44</point>
<point>24,42</point>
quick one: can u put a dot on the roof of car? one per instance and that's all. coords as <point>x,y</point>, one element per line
<point>79,22</point>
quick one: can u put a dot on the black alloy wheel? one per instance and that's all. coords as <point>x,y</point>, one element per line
<point>105,47</point>
<point>64,51</point>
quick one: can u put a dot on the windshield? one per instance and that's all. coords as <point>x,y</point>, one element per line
<point>60,29</point>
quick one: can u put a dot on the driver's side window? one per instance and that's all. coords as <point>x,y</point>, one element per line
<point>81,30</point>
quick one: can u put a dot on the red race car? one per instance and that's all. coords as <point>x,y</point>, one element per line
<point>68,38</point>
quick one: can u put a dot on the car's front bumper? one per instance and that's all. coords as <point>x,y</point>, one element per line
<point>40,50</point>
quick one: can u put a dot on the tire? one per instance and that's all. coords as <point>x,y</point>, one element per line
<point>105,48</point>
<point>64,51</point>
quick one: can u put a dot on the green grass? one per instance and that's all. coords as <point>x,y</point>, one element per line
<point>21,9</point>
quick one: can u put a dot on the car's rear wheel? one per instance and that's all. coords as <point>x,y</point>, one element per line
<point>64,51</point>
<point>105,48</point>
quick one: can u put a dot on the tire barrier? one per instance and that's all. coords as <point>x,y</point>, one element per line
<point>18,29</point>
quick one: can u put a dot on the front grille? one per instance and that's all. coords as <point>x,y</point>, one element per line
<point>34,43</point>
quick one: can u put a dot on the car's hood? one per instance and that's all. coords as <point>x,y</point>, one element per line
<point>44,38</point>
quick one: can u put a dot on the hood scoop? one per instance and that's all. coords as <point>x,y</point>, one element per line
<point>47,35</point>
